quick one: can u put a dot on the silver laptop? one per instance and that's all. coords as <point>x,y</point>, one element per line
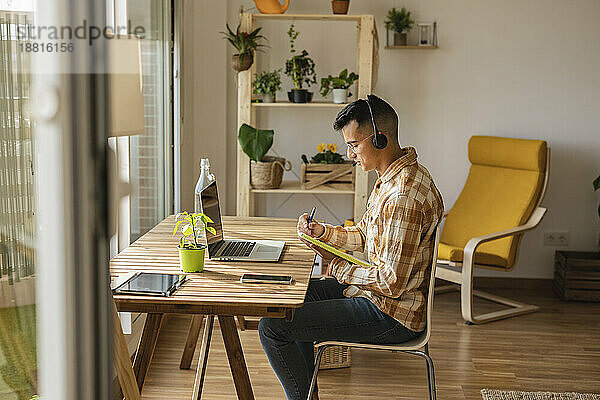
<point>233,250</point>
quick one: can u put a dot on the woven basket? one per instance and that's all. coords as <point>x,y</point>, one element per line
<point>267,174</point>
<point>335,357</point>
<point>241,62</point>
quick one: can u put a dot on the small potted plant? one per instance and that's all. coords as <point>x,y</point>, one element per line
<point>400,23</point>
<point>340,6</point>
<point>339,85</point>
<point>267,84</point>
<point>327,154</point>
<point>191,251</point>
<point>266,172</point>
<point>301,69</point>
<point>327,169</point>
<point>246,44</point>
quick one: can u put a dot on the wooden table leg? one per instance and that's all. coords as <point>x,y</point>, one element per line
<point>146,347</point>
<point>122,361</point>
<point>241,322</point>
<point>203,359</point>
<point>235,355</point>
<point>190,342</point>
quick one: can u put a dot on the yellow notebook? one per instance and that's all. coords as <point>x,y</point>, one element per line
<point>335,251</point>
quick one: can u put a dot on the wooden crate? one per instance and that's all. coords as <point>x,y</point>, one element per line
<point>577,275</point>
<point>334,176</point>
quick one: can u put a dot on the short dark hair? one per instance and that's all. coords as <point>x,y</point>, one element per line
<point>385,116</point>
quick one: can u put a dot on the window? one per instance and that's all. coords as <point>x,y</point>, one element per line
<point>150,153</point>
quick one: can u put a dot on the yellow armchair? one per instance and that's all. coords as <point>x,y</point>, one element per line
<point>499,202</point>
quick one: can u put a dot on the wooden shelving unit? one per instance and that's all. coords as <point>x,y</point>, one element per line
<point>294,187</point>
<point>310,17</point>
<point>299,105</point>
<point>412,47</point>
<point>247,110</point>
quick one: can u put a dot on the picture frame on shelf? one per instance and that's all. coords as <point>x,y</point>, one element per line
<point>426,35</point>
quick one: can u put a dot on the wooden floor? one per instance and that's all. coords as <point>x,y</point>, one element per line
<point>556,349</point>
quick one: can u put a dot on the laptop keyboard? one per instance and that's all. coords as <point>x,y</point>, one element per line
<point>238,249</point>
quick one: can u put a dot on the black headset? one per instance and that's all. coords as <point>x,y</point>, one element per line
<point>379,140</point>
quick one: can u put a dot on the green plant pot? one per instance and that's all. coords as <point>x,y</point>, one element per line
<point>192,260</point>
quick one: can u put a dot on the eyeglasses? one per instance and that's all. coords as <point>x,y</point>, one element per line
<point>353,145</point>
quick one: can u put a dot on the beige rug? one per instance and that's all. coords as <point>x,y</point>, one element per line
<point>488,394</point>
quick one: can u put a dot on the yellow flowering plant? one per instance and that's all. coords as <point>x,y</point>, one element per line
<point>326,155</point>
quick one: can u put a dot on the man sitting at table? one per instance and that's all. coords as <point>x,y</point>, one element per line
<point>384,303</point>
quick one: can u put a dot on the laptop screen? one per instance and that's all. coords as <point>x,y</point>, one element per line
<point>210,207</point>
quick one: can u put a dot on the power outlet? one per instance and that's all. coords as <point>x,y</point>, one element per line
<point>557,238</point>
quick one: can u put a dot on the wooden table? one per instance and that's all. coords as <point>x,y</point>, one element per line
<point>217,290</point>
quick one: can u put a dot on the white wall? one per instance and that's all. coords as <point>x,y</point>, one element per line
<point>525,69</point>
<point>203,96</point>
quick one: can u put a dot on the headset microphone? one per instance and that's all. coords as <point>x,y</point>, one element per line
<point>379,139</point>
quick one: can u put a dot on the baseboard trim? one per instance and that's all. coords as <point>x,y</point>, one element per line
<point>486,282</point>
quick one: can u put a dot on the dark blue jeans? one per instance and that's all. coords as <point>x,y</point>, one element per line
<point>325,315</point>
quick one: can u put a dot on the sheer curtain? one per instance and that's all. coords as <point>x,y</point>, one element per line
<point>18,365</point>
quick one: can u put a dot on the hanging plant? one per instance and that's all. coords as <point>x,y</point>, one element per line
<point>246,44</point>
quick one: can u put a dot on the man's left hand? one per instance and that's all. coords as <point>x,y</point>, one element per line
<point>325,255</point>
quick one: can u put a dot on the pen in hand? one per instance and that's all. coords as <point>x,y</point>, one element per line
<point>312,214</point>
<point>309,219</point>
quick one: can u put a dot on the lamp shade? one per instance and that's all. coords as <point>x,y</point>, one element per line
<point>126,102</point>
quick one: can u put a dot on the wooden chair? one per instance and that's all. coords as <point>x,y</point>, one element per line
<point>499,202</point>
<point>417,346</point>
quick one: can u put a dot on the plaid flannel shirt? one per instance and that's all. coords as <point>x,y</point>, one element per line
<point>397,231</point>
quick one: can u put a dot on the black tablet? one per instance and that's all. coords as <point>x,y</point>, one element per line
<point>151,283</point>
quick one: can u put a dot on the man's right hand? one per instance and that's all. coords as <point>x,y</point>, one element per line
<point>313,229</point>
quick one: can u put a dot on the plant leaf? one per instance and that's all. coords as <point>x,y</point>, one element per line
<point>187,230</point>
<point>206,219</point>
<point>255,142</point>
<point>211,230</point>
<point>176,226</point>
<point>597,183</point>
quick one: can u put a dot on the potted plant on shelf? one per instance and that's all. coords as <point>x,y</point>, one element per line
<point>301,69</point>
<point>327,154</point>
<point>267,84</point>
<point>191,250</point>
<point>266,172</point>
<point>339,85</point>
<point>340,6</point>
<point>327,168</point>
<point>246,44</point>
<point>400,23</point>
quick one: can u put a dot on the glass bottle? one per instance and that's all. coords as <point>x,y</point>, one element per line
<point>205,179</point>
